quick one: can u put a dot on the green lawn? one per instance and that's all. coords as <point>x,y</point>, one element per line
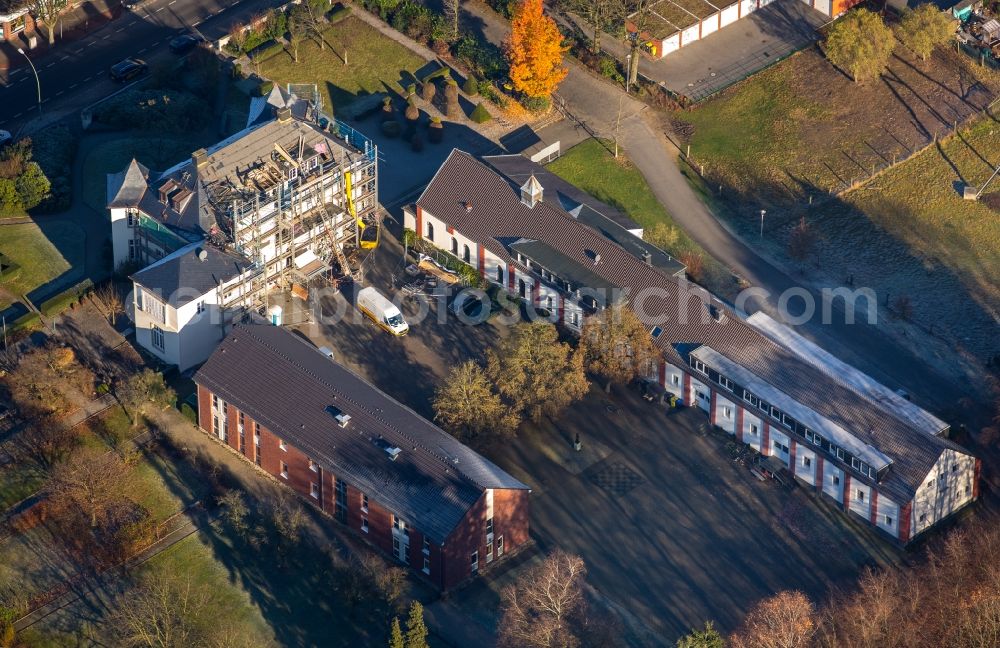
<point>157,153</point>
<point>375,64</point>
<point>591,167</point>
<point>42,252</point>
<point>191,558</point>
<point>801,128</point>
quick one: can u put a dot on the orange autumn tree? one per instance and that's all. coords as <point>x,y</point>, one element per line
<point>534,51</point>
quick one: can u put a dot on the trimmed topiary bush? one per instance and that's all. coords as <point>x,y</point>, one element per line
<point>480,115</point>
<point>264,88</point>
<point>338,13</point>
<point>435,131</point>
<point>411,90</point>
<point>451,108</point>
<point>412,112</point>
<point>471,86</point>
<point>427,91</point>
<point>391,128</point>
<point>387,111</point>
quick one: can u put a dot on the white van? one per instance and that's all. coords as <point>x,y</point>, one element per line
<point>382,311</point>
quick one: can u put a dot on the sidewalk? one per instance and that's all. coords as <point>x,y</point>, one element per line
<point>80,21</point>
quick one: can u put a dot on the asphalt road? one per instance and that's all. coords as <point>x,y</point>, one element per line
<point>75,74</point>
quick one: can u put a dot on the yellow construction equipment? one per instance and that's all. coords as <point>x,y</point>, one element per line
<point>368,234</point>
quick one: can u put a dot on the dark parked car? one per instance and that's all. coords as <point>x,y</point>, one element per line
<point>183,44</point>
<point>127,69</point>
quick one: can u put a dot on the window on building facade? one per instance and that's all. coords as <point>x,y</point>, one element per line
<point>489,551</point>
<point>836,480</point>
<point>474,561</point>
<point>427,565</point>
<point>676,380</point>
<point>341,500</point>
<point>400,525</point>
<point>156,333</point>
<point>364,503</point>
<point>283,445</point>
<point>781,447</point>
<point>131,257</point>
<point>489,526</point>
<point>284,470</point>
<point>314,490</point>
<point>466,254</point>
<point>427,546</point>
<point>699,366</point>
<point>726,383</point>
<point>861,495</point>
<point>727,411</point>
<point>500,274</point>
<point>200,308</point>
<point>922,518</point>
<point>430,232</point>
<point>364,525</point>
<point>313,466</point>
<point>548,302</point>
<point>454,246</point>
<point>754,429</point>
<point>888,520</point>
<point>499,546</point>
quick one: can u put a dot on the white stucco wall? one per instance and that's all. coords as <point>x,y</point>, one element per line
<point>947,488</point>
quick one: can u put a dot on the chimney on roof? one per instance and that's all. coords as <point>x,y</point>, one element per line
<point>199,158</point>
<point>717,313</point>
<point>531,192</point>
<point>468,205</point>
<point>647,258</point>
<point>284,114</point>
<point>597,259</point>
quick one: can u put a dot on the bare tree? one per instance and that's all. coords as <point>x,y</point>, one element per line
<point>451,9</point>
<point>163,612</point>
<point>539,608</point>
<point>785,620</point>
<point>110,301</point>
<point>90,480</point>
<point>43,440</point>
<point>600,15</point>
<point>48,11</point>
<point>638,16</point>
<point>138,391</point>
<point>295,42</point>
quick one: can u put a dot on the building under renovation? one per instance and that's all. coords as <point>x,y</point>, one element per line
<point>287,202</point>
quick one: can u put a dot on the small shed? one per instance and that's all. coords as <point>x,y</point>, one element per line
<point>991,31</point>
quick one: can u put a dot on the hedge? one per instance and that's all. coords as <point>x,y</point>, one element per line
<point>265,88</point>
<point>443,72</point>
<point>26,321</point>
<point>266,50</point>
<point>60,302</point>
<point>169,111</point>
<point>188,412</point>
<point>338,13</point>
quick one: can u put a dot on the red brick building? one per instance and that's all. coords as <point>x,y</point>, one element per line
<point>373,464</point>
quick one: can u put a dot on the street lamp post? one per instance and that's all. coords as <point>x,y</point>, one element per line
<point>38,82</point>
<point>762,212</point>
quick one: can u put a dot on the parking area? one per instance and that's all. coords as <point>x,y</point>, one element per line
<point>735,52</point>
<point>672,530</point>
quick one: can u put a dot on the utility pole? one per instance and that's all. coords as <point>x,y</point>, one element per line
<point>38,83</point>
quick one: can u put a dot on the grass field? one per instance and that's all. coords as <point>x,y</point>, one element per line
<point>911,234</point>
<point>375,64</point>
<point>81,624</point>
<point>591,167</point>
<point>802,128</point>
<point>157,153</point>
<point>42,252</point>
